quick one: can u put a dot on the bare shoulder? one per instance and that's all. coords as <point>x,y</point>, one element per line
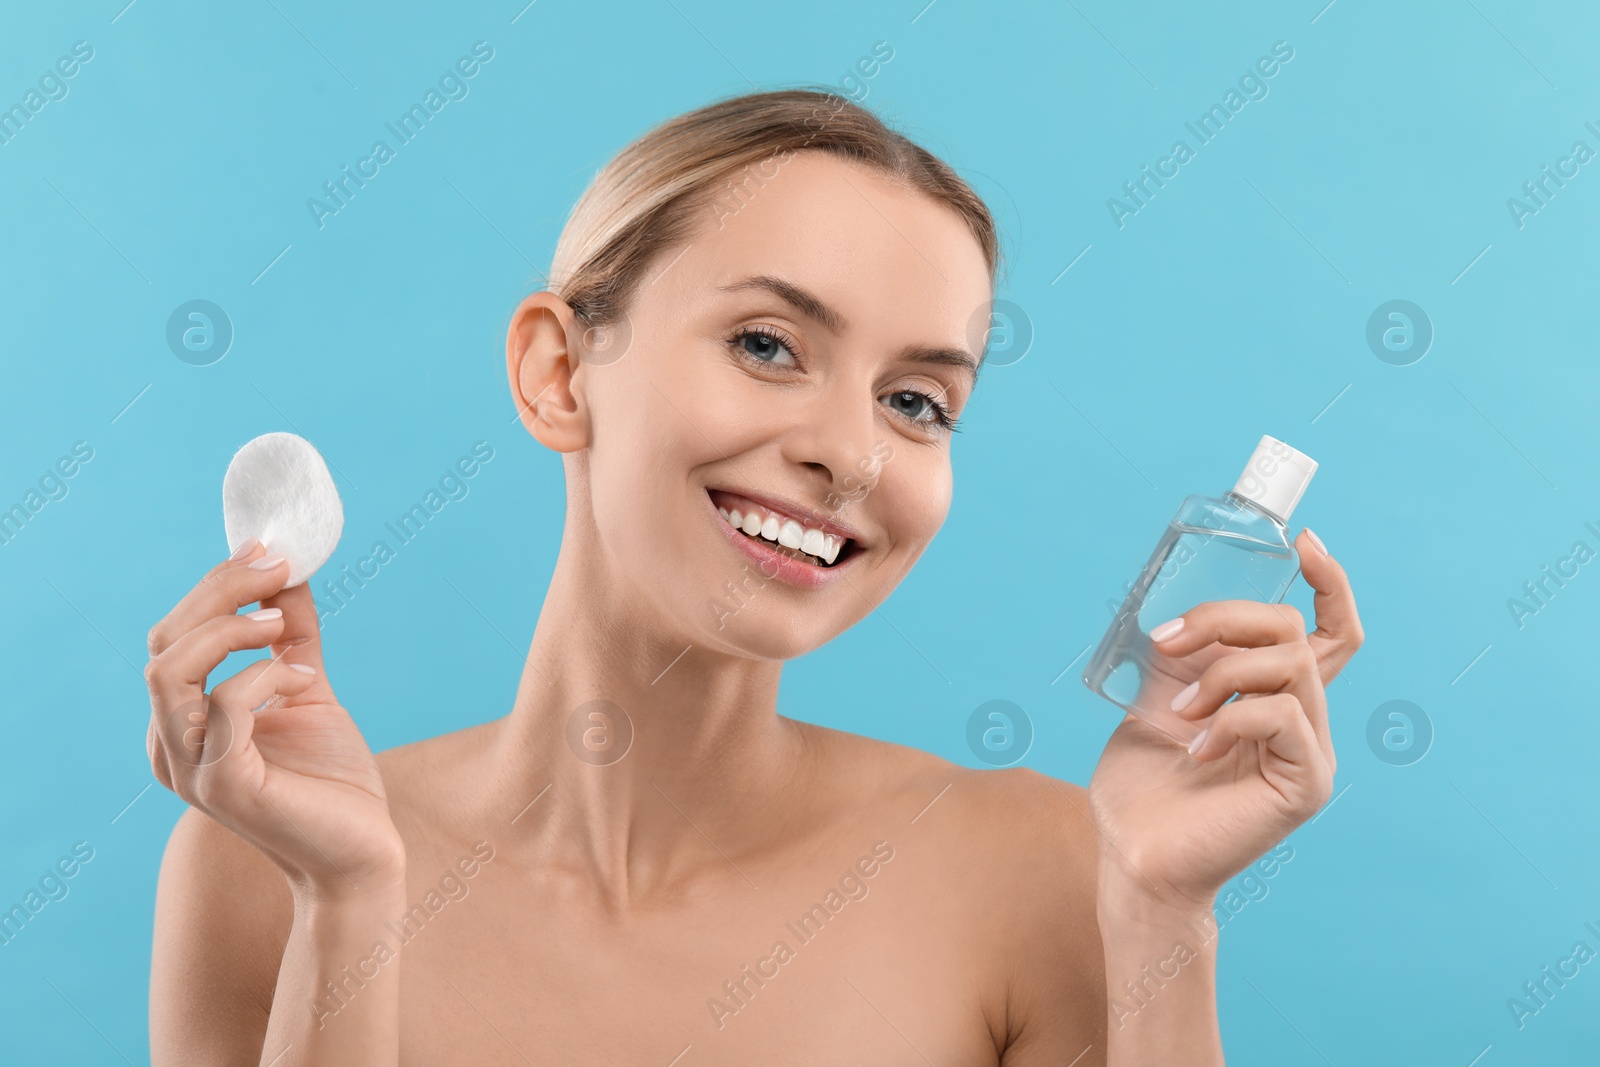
<point>223,913</point>
<point>1011,857</point>
<point>1015,818</point>
<point>425,780</point>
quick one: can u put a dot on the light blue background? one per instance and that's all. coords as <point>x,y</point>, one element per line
<point>1234,304</point>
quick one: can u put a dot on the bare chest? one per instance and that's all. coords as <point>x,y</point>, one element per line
<point>804,965</point>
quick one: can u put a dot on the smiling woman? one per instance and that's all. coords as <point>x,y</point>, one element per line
<point>753,408</point>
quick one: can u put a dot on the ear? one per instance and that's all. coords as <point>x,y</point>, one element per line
<point>541,364</point>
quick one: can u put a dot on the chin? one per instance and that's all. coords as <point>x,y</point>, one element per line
<point>752,636</point>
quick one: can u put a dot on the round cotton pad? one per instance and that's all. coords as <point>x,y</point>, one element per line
<point>278,490</point>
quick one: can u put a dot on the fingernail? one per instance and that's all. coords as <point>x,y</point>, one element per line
<point>1199,741</point>
<point>266,563</point>
<point>244,550</point>
<point>264,615</point>
<point>1316,540</point>
<point>1166,629</point>
<point>302,668</point>
<point>1185,696</point>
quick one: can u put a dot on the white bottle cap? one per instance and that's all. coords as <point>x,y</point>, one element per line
<point>1276,477</point>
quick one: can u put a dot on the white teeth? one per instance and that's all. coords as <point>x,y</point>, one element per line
<point>786,532</point>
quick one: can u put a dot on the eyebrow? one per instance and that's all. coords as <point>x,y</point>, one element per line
<point>814,307</point>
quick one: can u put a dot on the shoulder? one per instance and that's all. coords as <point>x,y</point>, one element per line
<point>1013,817</point>
<point>1010,857</point>
<point>427,779</point>
<point>223,913</point>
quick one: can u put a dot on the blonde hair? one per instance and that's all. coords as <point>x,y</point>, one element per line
<point>651,196</point>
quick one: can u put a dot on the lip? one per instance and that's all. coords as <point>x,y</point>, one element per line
<point>773,563</point>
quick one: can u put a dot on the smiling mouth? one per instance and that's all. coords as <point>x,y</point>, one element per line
<point>783,533</point>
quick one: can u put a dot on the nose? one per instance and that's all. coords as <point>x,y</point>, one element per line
<point>831,435</point>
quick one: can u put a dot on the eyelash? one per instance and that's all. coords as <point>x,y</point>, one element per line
<point>941,413</point>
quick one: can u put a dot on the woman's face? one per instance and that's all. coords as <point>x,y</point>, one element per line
<point>797,364</point>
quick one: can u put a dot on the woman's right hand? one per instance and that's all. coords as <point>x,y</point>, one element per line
<point>296,779</point>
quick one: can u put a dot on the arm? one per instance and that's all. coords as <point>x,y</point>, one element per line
<point>289,863</point>
<point>1174,826</point>
<point>1161,976</point>
<point>356,1019</point>
<point>238,962</point>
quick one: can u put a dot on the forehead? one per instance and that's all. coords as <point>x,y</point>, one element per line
<point>890,259</point>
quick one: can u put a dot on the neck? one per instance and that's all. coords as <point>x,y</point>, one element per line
<point>700,774</point>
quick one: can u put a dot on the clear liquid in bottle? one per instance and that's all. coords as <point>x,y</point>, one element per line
<point>1233,547</point>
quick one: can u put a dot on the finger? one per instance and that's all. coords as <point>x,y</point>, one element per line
<point>262,680</point>
<point>1288,668</point>
<point>224,590</point>
<point>301,639</point>
<point>1292,758</point>
<point>177,677</point>
<point>1338,634</point>
<point>1240,623</point>
<point>157,751</point>
<point>212,765</point>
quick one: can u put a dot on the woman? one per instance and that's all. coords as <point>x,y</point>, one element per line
<point>754,345</point>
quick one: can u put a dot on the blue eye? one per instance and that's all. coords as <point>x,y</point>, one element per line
<point>919,407</point>
<point>764,346</point>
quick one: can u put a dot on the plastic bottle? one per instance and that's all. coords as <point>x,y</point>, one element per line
<point>1233,547</point>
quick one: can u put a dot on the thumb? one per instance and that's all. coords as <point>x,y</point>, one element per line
<point>1338,634</point>
<point>301,640</point>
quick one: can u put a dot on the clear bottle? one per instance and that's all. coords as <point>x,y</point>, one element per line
<point>1233,547</point>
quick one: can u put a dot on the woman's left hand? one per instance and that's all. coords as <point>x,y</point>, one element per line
<point>1176,825</point>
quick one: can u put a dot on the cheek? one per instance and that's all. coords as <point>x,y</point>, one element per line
<point>646,441</point>
<point>915,492</point>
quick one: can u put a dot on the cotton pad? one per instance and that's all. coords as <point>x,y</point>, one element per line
<point>278,490</point>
